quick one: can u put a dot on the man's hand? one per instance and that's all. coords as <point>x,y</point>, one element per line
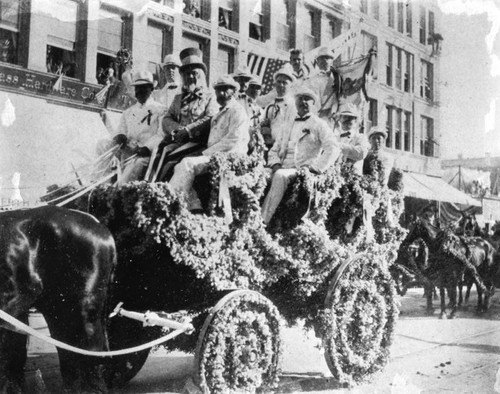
<point>180,135</point>
<point>120,139</point>
<point>143,152</point>
<point>276,167</point>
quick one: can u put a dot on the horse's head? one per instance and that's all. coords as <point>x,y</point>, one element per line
<point>468,225</point>
<point>421,229</point>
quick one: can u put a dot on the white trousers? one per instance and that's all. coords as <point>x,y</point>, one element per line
<point>183,178</point>
<point>279,183</point>
<point>134,170</point>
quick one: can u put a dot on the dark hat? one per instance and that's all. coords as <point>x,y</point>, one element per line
<point>192,58</point>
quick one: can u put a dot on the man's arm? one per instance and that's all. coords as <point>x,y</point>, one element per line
<point>356,148</point>
<point>171,120</point>
<point>237,136</point>
<point>329,146</point>
<point>199,129</point>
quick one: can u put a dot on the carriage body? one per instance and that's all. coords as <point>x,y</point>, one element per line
<point>231,277</point>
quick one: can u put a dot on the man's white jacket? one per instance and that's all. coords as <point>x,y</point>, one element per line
<point>311,142</point>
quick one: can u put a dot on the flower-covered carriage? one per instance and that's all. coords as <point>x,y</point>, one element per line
<point>321,260</point>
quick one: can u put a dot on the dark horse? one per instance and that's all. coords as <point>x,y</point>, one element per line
<point>59,261</point>
<point>450,256</point>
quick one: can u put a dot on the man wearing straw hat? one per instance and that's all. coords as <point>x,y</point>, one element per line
<point>228,134</point>
<point>304,141</point>
<point>139,131</point>
<point>165,95</point>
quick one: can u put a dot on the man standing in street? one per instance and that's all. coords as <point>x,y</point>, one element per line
<point>228,133</point>
<point>304,141</point>
<point>139,131</point>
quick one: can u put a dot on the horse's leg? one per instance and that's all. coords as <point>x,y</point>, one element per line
<point>470,283</point>
<point>442,294</point>
<point>13,354</point>
<point>479,307</point>
<point>460,290</point>
<point>428,294</point>
<point>453,300</point>
<point>76,326</point>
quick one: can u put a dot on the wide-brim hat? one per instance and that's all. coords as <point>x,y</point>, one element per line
<point>348,109</point>
<point>143,78</point>
<point>255,81</point>
<point>226,80</point>
<point>305,91</point>
<point>324,51</point>
<point>171,60</point>
<point>242,72</point>
<point>192,58</point>
<point>377,130</point>
<point>287,71</point>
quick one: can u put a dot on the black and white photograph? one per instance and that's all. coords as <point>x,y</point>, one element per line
<point>249,196</point>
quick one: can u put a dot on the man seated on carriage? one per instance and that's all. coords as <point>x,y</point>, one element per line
<point>228,133</point>
<point>377,162</point>
<point>187,122</point>
<point>352,143</point>
<point>279,107</point>
<point>139,131</point>
<point>304,141</point>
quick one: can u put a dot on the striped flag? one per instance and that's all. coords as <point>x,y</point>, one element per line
<point>353,74</point>
<point>264,68</point>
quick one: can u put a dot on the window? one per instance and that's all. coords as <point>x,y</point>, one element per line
<point>9,31</point>
<point>389,65</point>
<point>407,131</point>
<point>390,13</point>
<point>409,17</point>
<point>283,29</point>
<point>224,64</point>
<point>427,80</point>
<point>154,48</point>
<point>399,65</point>
<point>375,9</point>
<point>408,77</point>
<point>363,6</point>
<point>397,128</point>
<point>401,18</point>
<point>110,41</point>
<point>373,112</point>
<point>197,8</point>
<point>260,19</point>
<point>61,54</point>
<point>428,144</point>
<point>334,27</point>
<point>422,27</point>
<point>388,141</point>
<point>226,14</point>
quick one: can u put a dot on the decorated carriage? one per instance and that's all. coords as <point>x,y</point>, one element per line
<point>323,260</point>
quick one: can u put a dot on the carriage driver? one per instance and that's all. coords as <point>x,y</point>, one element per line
<point>304,141</point>
<point>139,131</point>
<point>228,133</point>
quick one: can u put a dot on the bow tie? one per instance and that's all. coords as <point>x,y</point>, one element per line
<point>346,134</point>
<point>147,117</point>
<point>303,119</point>
<point>242,95</point>
<point>250,100</point>
<point>279,99</point>
<point>172,87</point>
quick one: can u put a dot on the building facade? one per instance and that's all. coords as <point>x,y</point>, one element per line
<point>42,39</point>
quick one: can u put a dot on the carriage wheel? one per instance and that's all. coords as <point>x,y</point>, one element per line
<point>358,320</point>
<point>239,346</point>
<point>124,333</point>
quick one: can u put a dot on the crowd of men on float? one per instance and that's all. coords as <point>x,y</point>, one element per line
<point>171,133</point>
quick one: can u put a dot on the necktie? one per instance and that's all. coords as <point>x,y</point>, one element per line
<point>172,87</point>
<point>346,134</point>
<point>147,117</point>
<point>303,119</point>
<point>279,99</point>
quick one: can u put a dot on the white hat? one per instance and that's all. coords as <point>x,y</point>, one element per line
<point>143,78</point>
<point>242,72</point>
<point>377,130</point>
<point>348,109</point>
<point>255,81</point>
<point>226,80</point>
<point>324,51</point>
<point>287,71</point>
<point>171,60</point>
<point>305,91</point>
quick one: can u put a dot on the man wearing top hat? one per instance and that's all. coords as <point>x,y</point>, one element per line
<point>188,117</point>
<point>352,143</point>
<point>165,95</point>
<point>228,133</point>
<point>304,141</point>
<point>282,107</point>
<point>187,121</point>
<point>377,162</point>
<point>325,84</point>
<point>139,131</point>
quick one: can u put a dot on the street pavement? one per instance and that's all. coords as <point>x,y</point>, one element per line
<point>428,355</point>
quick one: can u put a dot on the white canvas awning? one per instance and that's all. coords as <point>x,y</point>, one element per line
<point>434,188</point>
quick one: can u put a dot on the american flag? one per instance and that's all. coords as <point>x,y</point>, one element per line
<point>264,68</point>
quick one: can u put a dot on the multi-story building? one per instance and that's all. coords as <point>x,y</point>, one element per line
<point>42,38</point>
